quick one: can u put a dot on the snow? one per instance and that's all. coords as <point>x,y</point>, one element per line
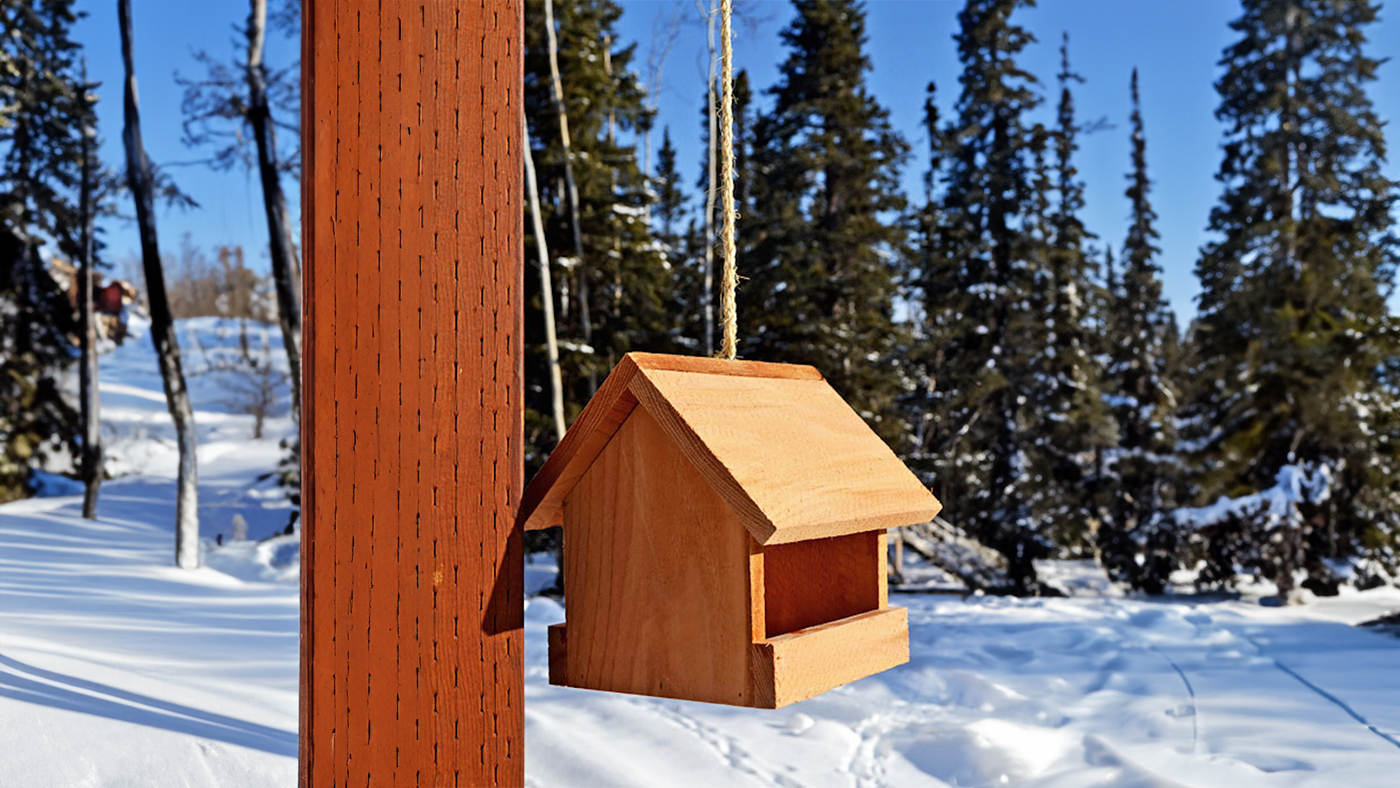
<point>1293,484</point>
<point>118,669</point>
<point>1080,691</point>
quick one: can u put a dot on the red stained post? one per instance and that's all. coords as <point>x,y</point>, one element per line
<point>411,670</point>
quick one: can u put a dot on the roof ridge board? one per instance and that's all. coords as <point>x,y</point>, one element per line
<point>718,366</point>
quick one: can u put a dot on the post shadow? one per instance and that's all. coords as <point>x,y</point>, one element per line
<point>125,706</point>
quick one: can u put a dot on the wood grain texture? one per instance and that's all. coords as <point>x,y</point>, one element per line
<point>605,412</point>
<point>819,581</point>
<point>541,504</point>
<point>808,662</point>
<point>718,366</point>
<point>411,575</point>
<point>318,380</point>
<point>783,449</point>
<point>758,615</point>
<point>882,568</point>
<point>657,605</point>
<point>788,455</point>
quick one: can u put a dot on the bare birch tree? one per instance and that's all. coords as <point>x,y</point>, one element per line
<point>167,346</point>
<point>556,383</point>
<point>571,186</point>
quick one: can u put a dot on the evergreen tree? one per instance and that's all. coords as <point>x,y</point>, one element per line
<point>669,210</point>
<point>975,283</point>
<point>1064,421</point>
<point>1138,542</point>
<point>819,257</point>
<point>925,410</point>
<point>1291,347</point>
<point>623,274</point>
<point>42,116</point>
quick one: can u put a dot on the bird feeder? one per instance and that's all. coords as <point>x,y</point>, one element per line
<point>724,535</point>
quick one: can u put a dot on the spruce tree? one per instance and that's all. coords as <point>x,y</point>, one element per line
<point>669,227</point>
<point>1291,351</point>
<point>669,210</point>
<point>624,272</point>
<point>41,144</point>
<point>1139,543</point>
<point>818,262</point>
<point>975,285</point>
<point>1065,424</point>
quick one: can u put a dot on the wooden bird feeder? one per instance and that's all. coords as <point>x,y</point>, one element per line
<point>724,535</point>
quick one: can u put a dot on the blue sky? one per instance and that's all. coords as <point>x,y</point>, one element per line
<point>1175,46</point>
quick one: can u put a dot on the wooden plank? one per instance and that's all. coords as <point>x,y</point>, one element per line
<point>321,51</point>
<point>411,621</point>
<point>605,413</point>
<point>758,603</point>
<point>540,506</point>
<point>819,581</point>
<point>806,663</point>
<point>882,569</point>
<point>717,366</point>
<point>788,455</point>
<point>642,520</point>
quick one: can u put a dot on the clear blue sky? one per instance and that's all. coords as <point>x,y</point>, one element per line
<point>1175,45</point>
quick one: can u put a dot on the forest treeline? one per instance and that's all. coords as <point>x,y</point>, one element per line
<point>1030,372</point>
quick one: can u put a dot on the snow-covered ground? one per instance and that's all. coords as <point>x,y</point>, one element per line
<point>118,669</point>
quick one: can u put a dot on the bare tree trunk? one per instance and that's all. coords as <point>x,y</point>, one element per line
<point>585,321</point>
<point>286,272</point>
<point>167,345</point>
<point>708,272</point>
<point>556,383</point>
<point>91,466</point>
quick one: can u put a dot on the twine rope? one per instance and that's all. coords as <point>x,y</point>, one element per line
<point>730,279</point>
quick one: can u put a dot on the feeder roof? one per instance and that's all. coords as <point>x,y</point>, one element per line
<point>788,455</point>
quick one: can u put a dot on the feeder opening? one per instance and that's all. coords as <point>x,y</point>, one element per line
<point>820,581</point>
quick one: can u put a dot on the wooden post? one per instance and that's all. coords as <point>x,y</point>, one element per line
<point>411,668</point>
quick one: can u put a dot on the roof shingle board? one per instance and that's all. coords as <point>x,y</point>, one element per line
<point>789,456</point>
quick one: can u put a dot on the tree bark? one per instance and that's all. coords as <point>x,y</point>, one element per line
<point>167,345</point>
<point>286,273</point>
<point>556,384</point>
<point>91,464</point>
<point>571,186</point>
